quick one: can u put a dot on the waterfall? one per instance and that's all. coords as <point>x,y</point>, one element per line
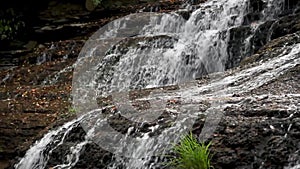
<point>38,155</point>
<point>154,50</point>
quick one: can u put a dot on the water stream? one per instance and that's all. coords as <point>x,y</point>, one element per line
<point>167,50</point>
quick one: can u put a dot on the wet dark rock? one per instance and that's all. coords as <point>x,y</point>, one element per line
<point>273,48</point>
<point>100,158</point>
<point>184,13</point>
<point>236,46</point>
<point>254,11</point>
<point>257,141</point>
<point>286,25</point>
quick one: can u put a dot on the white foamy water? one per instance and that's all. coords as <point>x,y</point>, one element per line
<point>37,156</point>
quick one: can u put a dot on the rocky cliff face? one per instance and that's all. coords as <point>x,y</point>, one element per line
<point>259,129</point>
<point>263,33</point>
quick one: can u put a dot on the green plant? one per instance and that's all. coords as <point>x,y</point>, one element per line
<point>97,2</point>
<point>190,154</point>
<point>72,110</point>
<point>92,4</point>
<point>70,113</point>
<point>10,24</point>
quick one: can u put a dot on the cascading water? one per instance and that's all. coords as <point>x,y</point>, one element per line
<point>37,157</point>
<point>166,51</point>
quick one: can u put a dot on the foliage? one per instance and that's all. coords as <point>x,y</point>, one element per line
<point>70,113</point>
<point>72,110</point>
<point>10,25</point>
<point>191,154</point>
<point>92,4</point>
<point>97,2</point>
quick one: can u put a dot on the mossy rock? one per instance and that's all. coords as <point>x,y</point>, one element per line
<point>116,4</point>
<point>273,48</point>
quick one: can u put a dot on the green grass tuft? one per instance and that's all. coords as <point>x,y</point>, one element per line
<point>191,154</point>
